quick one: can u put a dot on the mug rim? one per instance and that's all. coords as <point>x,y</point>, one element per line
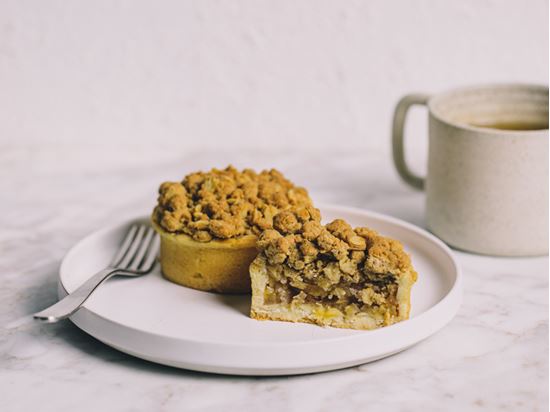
<point>433,100</point>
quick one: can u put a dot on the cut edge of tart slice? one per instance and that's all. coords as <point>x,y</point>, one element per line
<point>330,275</point>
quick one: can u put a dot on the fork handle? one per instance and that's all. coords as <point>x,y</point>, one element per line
<point>73,301</point>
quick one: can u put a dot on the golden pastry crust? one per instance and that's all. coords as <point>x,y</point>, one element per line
<point>226,204</point>
<point>217,266</point>
<point>331,275</point>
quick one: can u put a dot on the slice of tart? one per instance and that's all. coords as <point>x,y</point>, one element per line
<point>330,275</point>
<point>209,224</point>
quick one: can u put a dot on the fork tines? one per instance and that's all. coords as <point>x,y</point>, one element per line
<point>138,250</point>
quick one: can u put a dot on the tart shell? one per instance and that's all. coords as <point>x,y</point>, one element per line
<point>215,266</point>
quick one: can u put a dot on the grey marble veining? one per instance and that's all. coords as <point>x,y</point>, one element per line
<point>492,356</point>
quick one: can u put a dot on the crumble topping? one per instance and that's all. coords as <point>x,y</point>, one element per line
<point>350,269</point>
<point>224,204</point>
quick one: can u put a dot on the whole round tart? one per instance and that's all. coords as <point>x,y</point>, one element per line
<point>210,221</point>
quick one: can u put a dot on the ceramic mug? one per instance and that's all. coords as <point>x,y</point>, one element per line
<point>487,180</point>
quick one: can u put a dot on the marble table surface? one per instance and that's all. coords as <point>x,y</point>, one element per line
<point>492,356</point>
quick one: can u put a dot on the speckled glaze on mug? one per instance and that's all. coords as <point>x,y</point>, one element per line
<point>486,188</point>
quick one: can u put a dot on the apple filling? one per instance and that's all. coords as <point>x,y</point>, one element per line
<point>377,295</point>
<point>330,275</point>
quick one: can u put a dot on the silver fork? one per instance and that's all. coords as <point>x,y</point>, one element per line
<point>136,256</point>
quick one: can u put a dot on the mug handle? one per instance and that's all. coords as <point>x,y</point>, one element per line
<point>399,117</point>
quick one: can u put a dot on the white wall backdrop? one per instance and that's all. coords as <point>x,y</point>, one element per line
<point>186,75</point>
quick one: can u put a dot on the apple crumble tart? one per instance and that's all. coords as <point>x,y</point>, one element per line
<point>209,224</point>
<point>330,275</point>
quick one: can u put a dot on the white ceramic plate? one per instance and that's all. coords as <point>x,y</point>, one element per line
<point>159,321</point>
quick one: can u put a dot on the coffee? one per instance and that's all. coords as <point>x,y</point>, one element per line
<point>515,125</point>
